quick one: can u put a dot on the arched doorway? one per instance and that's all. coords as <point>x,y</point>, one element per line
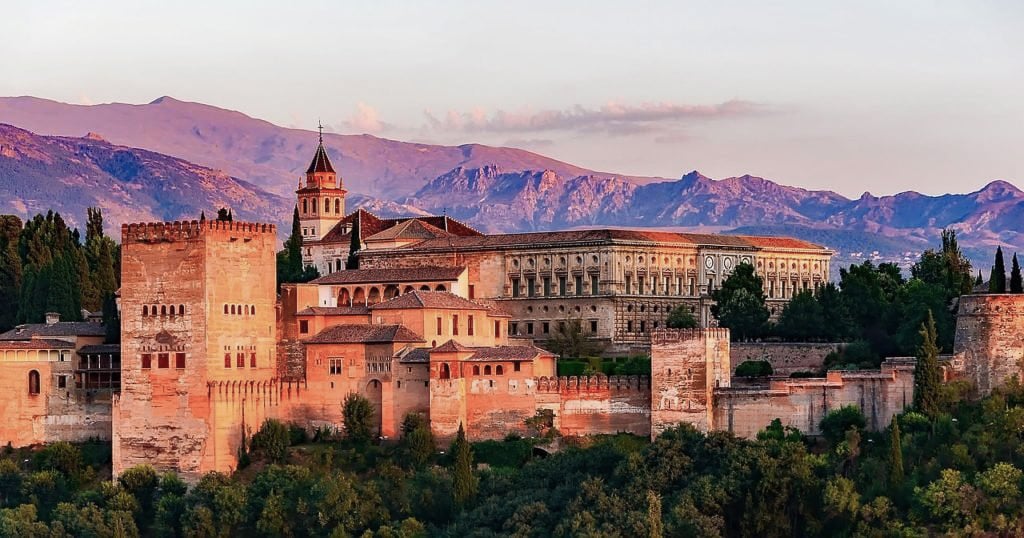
<point>358,297</point>
<point>446,372</point>
<point>374,296</point>
<point>343,298</point>
<point>374,392</point>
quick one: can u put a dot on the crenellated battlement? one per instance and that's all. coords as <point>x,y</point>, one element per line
<point>667,336</point>
<point>591,383</point>
<point>153,232</point>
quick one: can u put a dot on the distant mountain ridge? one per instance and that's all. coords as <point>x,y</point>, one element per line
<point>511,190</point>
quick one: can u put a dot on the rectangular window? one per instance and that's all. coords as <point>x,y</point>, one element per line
<point>227,360</point>
<point>515,287</point>
<point>147,361</point>
<point>640,284</point>
<point>513,327</point>
<point>516,366</point>
<point>497,329</point>
<point>439,326</point>
<point>643,326</point>
<point>455,324</point>
<point>562,287</point>
<point>529,328</point>
<point>335,366</point>
<point>546,327</point>
<point>252,360</point>
<point>595,286</point>
<point>179,361</point>
<point>629,326</point>
<point>304,326</point>
<point>62,382</point>
<point>547,286</point>
<point>240,360</point>
<point>693,287</point>
<point>654,285</point>
<point>578,284</point>
<point>629,284</point>
<point>469,326</point>
<point>531,287</point>
<point>472,292</point>
<point>593,326</point>
<point>163,360</point>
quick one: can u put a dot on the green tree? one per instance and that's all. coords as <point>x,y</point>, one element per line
<point>272,440</point>
<point>1016,286</point>
<point>836,321</point>
<point>979,281</point>
<point>927,374</point>
<point>569,340</point>
<point>751,368</point>
<point>802,318</point>
<point>224,215</point>
<point>838,421</point>
<point>997,279</point>
<point>357,414</point>
<point>99,253</point>
<point>464,484</point>
<point>654,524</point>
<point>681,318</point>
<point>417,439</point>
<point>869,292</point>
<point>111,319</point>
<point>948,268</point>
<point>10,270</point>
<point>895,455</point>
<point>740,303</point>
<point>289,260</point>
<point>355,244</point>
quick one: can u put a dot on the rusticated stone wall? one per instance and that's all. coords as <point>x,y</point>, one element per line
<point>989,345</point>
<point>784,357</point>
<point>687,366</point>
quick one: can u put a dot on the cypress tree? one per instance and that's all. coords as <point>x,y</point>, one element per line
<point>99,251</point>
<point>655,529</point>
<point>464,483</point>
<point>979,281</point>
<point>10,271</point>
<point>1016,286</point>
<point>354,245</point>
<point>294,247</point>
<point>927,375</point>
<point>895,455</point>
<point>997,282</point>
<point>111,319</point>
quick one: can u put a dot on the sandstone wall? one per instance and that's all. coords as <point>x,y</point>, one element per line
<point>989,341</point>
<point>593,405</point>
<point>687,366</point>
<point>784,357</point>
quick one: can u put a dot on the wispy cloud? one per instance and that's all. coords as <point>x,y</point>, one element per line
<point>528,142</point>
<point>612,118</point>
<point>365,119</point>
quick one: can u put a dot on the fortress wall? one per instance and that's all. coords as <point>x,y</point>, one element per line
<point>687,366</point>
<point>591,405</point>
<point>803,403</point>
<point>989,342</point>
<point>498,406</point>
<point>784,357</point>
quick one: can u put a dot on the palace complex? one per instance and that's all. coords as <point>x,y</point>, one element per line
<point>437,319</point>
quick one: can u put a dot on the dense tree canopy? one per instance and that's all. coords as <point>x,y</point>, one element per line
<point>740,303</point>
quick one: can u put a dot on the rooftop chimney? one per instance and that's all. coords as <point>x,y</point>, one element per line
<point>52,317</point>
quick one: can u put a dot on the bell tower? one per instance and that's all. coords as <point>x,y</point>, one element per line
<point>321,198</point>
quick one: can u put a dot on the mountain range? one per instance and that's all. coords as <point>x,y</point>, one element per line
<point>495,189</point>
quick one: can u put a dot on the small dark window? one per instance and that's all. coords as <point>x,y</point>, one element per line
<point>62,382</point>
<point>529,328</point>
<point>179,361</point>
<point>497,329</point>
<point>469,327</point>
<point>232,309</point>
<point>487,370</point>
<point>252,360</point>
<point>517,366</point>
<point>163,310</point>
<point>181,310</point>
<point>472,294</point>
<point>455,324</point>
<point>439,326</point>
<point>163,360</point>
<point>33,382</point>
<point>227,360</point>
<point>515,287</point>
<point>593,326</point>
<point>303,326</point>
<point>252,309</point>
<point>225,309</point>
<point>546,327</point>
<point>498,370</point>
<point>145,310</point>
<point>476,370</point>
<point>240,360</point>
<point>147,361</point>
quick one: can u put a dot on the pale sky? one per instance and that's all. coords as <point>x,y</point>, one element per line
<point>850,96</point>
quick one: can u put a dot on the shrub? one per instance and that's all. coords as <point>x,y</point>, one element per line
<point>357,413</point>
<point>297,434</point>
<point>837,422</point>
<point>272,440</point>
<point>754,369</point>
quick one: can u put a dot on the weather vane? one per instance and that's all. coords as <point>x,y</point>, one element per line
<point>321,128</point>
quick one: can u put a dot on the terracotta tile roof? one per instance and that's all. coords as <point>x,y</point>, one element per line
<point>370,225</point>
<point>397,275</point>
<point>415,355</point>
<point>37,343</point>
<point>100,349</point>
<point>451,346</point>
<point>428,299</point>
<point>607,235</point>
<point>507,353</point>
<point>410,229</point>
<point>321,163</point>
<point>364,334</point>
<point>61,328</point>
<point>334,311</point>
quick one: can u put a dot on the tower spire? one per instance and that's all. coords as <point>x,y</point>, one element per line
<point>320,127</point>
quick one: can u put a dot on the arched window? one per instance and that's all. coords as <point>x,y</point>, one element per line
<point>476,370</point>
<point>246,310</point>
<point>305,206</point>
<point>232,309</point>
<point>327,205</point>
<point>145,310</point>
<point>239,309</point>
<point>225,309</point>
<point>446,372</point>
<point>181,310</point>
<point>487,370</point>
<point>314,205</point>
<point>163,310</point>
<point>498,370</point>
<point>33,382</point>
<point>253,309</point>
<point>153,311</point>
<point>337,205</point>
<point>424,288</point>
<point>337,264</point>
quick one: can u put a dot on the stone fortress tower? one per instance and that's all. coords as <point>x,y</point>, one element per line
<point>989,346</point>
<point>686,367</point>
<point>198,353</point>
